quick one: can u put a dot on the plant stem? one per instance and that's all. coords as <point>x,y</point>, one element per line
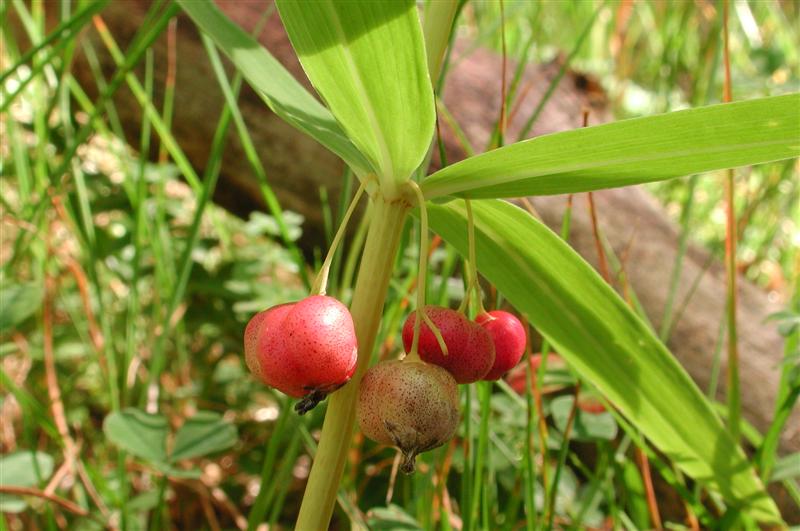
<point>413,355</point>
<point>320,285</point>
<point>733,388</point>
<point>367,308</point>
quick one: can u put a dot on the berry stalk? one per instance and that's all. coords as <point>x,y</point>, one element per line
<point>369,296</point>
<point>321,282</point>
<point>413,354</point>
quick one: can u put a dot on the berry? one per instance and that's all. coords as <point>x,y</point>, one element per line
<point>254,327</point>
<point>304,349</point>
<point>470,352</point>
<point>508,336</point>
<point>409,404</point>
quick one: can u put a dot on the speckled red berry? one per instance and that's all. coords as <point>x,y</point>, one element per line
<point>508,336</point>
<point>470,352</point>
<point>304,349</point>
<point>409,404</point>
<point>264,319</point>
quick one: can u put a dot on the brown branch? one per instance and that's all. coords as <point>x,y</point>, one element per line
<point>169,81</point>
<point>92,491</point>
<point>83,288</point>
<point>503,76</point>
<point>51,376</point>
<point>57,478</point>
<point>30,491</point>
<point>647,479</point>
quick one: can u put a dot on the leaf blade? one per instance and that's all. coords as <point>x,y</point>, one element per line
<point>202,434</point>
<point>367,61</point>
<point>591,327</point>
<point>276,86</point>
<point>139,433</point>
<point>23,468</point>
<point>18,302</point>
<point>630,152</point>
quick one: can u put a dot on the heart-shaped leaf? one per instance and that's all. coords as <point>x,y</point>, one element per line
<point>202,434</point>
<point>17,303</point>
<point>22,469</point>
<point>139,433</point>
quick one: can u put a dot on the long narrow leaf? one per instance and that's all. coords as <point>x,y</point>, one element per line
<point>367,61</point>
<point>630,151</point>
<point>592,327</point>
<point>276,86</point>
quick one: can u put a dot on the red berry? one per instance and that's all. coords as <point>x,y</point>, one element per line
<point>254,327</point>
<point>304,349</point>
<point>470,352</point>
<point>408,404</point>
<point>508,336</point>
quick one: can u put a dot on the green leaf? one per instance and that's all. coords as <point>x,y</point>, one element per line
<point>391,518</point>
<point>174,472</point>
<point>139,433</point>
<point>17,303</point>
<point>630,152</point>
<point>202,434</point>
<point>276,86</point>
<point>19,469</point>
<point>603,340</point>
<point>367,61</point>
<point>586,426</point>
<point>143,502</point>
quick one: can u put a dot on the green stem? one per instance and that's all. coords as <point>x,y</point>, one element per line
<point>471,265</point>
<point>481,454</point>
<point>321,282</point>
<point>422,281</point>
<point>160,509</point>
<point>367,308</point>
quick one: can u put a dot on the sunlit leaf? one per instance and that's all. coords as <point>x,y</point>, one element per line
<point>630,151</point>
<point>276,86</point>
<point>594,330</point>
<point>367,61</point>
